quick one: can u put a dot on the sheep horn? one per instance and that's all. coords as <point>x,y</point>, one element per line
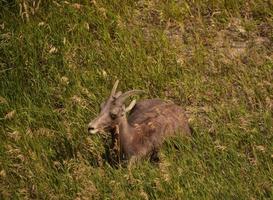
<point>124,96</point>
<point>113,92</point>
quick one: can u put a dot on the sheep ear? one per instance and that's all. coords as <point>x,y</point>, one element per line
<point>130,107</point>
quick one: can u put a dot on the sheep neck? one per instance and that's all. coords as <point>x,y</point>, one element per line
<point>124,134</point>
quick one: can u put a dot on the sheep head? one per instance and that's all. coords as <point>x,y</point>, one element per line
<point>112,110</point>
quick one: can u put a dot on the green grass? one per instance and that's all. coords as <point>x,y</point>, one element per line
<point>59,62</point>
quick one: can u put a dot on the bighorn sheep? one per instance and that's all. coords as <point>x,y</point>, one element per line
<point>148,123</point>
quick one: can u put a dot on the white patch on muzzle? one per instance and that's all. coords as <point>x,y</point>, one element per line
<point>93,131</point>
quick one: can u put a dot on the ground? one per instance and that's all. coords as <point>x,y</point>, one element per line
<point>59,60</point>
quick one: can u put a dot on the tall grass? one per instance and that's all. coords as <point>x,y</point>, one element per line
<point>58,63</point>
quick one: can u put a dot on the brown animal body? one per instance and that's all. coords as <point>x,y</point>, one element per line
<point>148,123</point>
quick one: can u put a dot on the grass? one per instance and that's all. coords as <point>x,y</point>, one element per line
<point>58,61</point>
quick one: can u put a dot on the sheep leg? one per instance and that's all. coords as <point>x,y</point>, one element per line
<point>154,158</point>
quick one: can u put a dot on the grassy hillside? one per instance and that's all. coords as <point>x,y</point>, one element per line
<point>59,60</point>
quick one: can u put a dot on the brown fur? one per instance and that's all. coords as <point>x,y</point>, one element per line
<point>148,123</point>
<point>152,121</point>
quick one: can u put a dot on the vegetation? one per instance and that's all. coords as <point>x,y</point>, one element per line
<point>59,60</point>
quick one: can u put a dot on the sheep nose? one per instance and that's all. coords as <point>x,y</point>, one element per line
<point>90,128</point>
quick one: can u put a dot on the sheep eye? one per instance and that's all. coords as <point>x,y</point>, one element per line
<point>113,115</point>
